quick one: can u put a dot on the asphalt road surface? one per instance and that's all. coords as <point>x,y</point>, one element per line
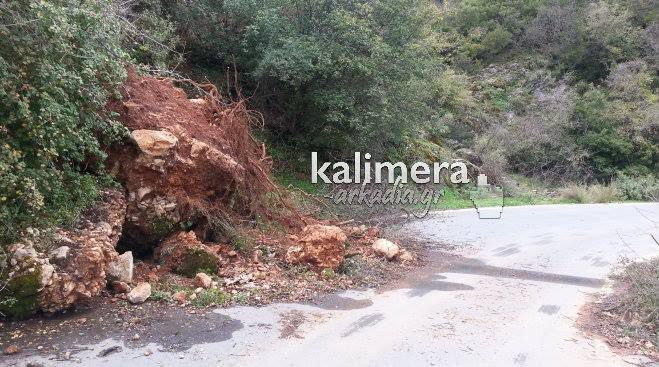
<point>508,295</point>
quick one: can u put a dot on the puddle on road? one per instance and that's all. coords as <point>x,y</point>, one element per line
<point>337,302</point>
<point>549,309</point>
<point>364,321</point>
<point>427,279</point>
<point>448,263</point>
<point>424,287</point>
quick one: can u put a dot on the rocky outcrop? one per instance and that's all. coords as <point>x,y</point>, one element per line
<point>74,270</point>
<point>320,246</point>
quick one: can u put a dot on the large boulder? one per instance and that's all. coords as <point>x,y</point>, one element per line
<point>320,246</point>
<point>76,268</point>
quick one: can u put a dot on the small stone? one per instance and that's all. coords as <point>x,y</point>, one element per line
<point>60,253</point>
<point>136,337</point>
<point>202,280</point>
<point>405,256</point>
<point>385,248</point>
<point>140,293</point>
<point>179,297</point>
<point>12,349</point>
<point>120,287</point>
<point>148,352</point>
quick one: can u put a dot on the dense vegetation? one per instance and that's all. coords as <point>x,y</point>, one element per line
<point>559,90</point>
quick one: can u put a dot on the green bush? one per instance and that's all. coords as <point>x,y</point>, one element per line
<point>638,187</point>
<point>59,62</point>
<point>341,75</point>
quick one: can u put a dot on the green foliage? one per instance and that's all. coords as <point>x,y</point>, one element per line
<point>210,297</point>
<point>638,187</point>
<point>59,63</point>
<point>149,37</point>
<point>343,75</point>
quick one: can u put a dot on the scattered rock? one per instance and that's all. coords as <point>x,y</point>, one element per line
<point>122,268</point>
<point>136,337</point>
<point>320,246</point>
<point>203,280</point>
<point>386,248</point>
<point>179,297</point>
<point>59,254</point>
<point>75,275</point>
<point>95,236</point>
<point>12,349</point>
<point>120,287</point>
<point>140,293</point>
<point>406,256</point>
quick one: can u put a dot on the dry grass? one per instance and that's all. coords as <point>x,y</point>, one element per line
<point>640,300</point>
<point>590,194</point>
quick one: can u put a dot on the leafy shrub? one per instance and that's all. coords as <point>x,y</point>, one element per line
<point>148,35</point>
<point>340,75</point>
<point>638,187</point>
<point>59,62</point>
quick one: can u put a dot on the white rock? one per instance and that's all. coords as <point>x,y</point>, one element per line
<point>60,253</point>
<point>140,293</point>
<point>386,248</point>
<point>405,256</point>
<point>122,268</point>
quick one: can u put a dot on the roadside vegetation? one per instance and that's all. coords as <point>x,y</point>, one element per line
<point>629,317</point>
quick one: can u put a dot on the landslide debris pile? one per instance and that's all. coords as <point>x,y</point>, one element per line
<point>193,164</point>
<point>194,185</point>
